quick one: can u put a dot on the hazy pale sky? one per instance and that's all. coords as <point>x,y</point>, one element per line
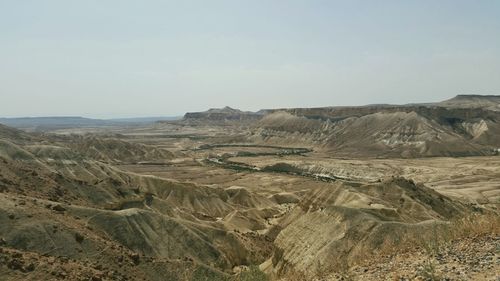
<point>118,58</point>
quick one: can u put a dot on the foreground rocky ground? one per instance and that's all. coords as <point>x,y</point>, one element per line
<point>469,258</point>
<point>473,258</point>
<point>24,265</point>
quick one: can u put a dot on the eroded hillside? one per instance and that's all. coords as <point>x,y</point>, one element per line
<point>229,195</point>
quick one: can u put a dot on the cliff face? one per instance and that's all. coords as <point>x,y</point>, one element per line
<point>388,131</point>
<point>429,111</point>
<point>466,125</point>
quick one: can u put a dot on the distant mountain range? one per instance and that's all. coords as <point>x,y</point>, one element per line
<point>48,123</point>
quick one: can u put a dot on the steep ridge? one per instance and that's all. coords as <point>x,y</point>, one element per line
<point>80,196</point>
<point>384,131</point>
<point>13,134</point>
<point>283,128</point>
<point>349,221</point>
<point>113,150</point>
<point>50,240</point>
<point>399,134</point>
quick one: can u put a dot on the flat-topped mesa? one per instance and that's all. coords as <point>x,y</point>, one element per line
<point>223,114</point>
<point>461,106</point>
<point>487,97</point>
<point>488,102</point>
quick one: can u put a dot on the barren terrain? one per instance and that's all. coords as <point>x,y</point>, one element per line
<point>292,194</point>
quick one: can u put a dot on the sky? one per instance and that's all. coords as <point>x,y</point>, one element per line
<point>123,58</point>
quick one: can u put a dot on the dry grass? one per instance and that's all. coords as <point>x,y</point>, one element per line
<point>433,241</point>
<point>476,225</point>
<point>441,234</point>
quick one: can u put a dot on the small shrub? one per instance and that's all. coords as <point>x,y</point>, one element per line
<point>428,272</point>
<point>79,238</point>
